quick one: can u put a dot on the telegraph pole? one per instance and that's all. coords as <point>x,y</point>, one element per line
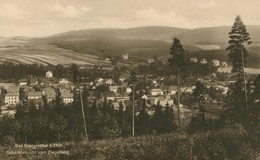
<point>133,114</point>
<point>83,115</point>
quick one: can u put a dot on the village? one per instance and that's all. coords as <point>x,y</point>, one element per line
<point>154,90</point>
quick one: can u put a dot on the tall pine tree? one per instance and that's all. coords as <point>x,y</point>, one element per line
<point>239,39</point>
<point>177,61</point>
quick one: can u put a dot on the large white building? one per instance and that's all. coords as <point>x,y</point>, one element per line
<point>12,98</point>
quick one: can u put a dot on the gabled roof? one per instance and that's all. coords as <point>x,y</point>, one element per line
<point>12,94</point>
<point>156,90</point>
<point>66,94</point>
<point>32,94</point>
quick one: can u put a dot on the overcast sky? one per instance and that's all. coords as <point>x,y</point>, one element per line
<point>46,17</point>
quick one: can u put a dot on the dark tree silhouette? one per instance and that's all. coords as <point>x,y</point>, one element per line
<point>177,61</point>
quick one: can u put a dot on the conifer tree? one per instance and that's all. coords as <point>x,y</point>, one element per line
<point>143,121</point>
<point>157,120</point>
<point>177,61</point>
<point>199,92</point>
<point>239,39</point>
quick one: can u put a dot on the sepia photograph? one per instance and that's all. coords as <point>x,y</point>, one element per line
<point>129,80</point>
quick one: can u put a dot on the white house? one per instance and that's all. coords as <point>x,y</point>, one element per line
<point>194,60</point>
<point>124,57</point>
<point>12,98</point>
<point>128,90</point>
<point>203,61</point>
<point>224,64</point>
<point>49,74</point>
<point>156,92</point>
<point>215,62</point>
<point>145,97</point>
<point>163,101</point>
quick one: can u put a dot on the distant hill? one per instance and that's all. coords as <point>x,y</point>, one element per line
<point>214,35</point>
<point>146,42</point>
<point>148,33</point>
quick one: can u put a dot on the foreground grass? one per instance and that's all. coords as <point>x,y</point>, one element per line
<point>230,143</point>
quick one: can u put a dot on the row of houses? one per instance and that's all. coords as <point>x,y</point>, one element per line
<point>12,97</point>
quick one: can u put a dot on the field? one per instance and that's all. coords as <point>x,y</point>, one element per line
<point>47,54</point>
<point>247,70</point>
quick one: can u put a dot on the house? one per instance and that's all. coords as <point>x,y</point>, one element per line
<point>151,60</point>
<point>64,81</point>
<point>27,89</point>
<point>156,92</point>
<point>49,93</point>
<point>124,57</point>
<point>194,60</point>
<point>62,86</point>
<point>224,64</point>
<point>99,81</point>
<point>187,90</point>
<point>7,85</point>
<point>109,81</point>
<point>163,101</point>
<point>145,97</point>
<point>49,74</point>
<point>66,96</point>
<point>128,90</point>
<point>169,89</point>
<point>23,82</point>
<point>113,88</point>
<point>12,98</point>
<point>13,89</point>
<point>215,62</point>
<point>108,96</point>
<point>34,95</point>
<point>203,61</point>
<point>122,98</point>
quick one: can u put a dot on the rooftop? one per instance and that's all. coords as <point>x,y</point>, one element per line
<point>32,94</point>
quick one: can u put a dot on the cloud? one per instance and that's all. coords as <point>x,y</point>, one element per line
<point>152,16</point>
<point>12,11</point>
<point>68,11</point>
<point>207,4</point>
